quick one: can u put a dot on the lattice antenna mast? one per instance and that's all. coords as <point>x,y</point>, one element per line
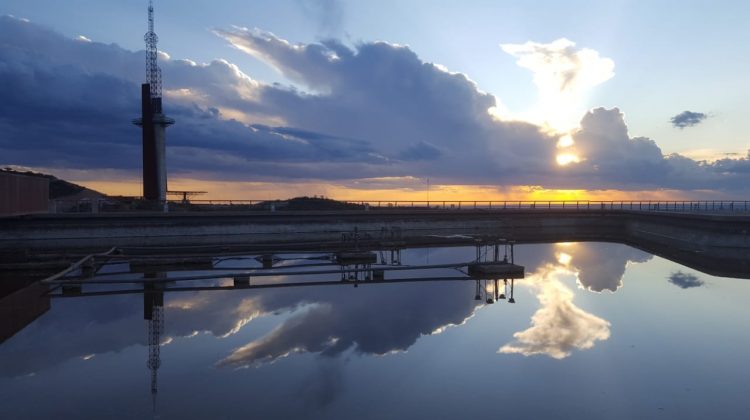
<point>155,328</point>
<point>153,72</point>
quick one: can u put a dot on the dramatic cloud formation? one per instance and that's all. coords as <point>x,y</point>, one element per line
<point>339,321</point>
<point>613,158</point>
<point>688,119</point>
<point>563,74</point>
<point>558,327</point>
<point>685,280</point>
<point>374,111</point>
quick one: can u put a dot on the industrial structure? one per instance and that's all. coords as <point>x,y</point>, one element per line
<point>153,313</point>
<point>23,194</point>
<point>153,121</point>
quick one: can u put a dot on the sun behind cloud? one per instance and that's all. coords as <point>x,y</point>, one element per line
<point>563,75</point>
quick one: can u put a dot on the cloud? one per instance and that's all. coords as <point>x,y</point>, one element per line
<point>111,324</point>
<point>688,119</point>
<point>611,158</point>
<point>421,151</point>
<point>685,280</point>
<point>338,321</point>
<point>371,111</point>
<point>558,327</point>
<point>563,74</point>
<point>329,14</point>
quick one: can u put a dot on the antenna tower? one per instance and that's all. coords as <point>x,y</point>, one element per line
<point>155,328</point>
<point>153,72</point>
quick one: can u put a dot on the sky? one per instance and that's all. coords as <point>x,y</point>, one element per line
<point>366,100</point>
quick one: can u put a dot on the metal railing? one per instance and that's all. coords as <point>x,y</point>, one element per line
<point>682,206</point>
<point>635,205</point>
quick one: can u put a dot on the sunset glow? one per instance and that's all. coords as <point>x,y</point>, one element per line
<point>566,159</point>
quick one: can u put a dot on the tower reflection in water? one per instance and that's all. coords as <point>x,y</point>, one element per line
<point>354,267</point>
<point>153,313</point>
<point>292,273</point>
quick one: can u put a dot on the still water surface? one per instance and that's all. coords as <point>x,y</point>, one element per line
<point>596,331</point>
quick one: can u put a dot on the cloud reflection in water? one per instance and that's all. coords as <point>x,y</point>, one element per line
<point>559,326</point>
<point>377,320</point>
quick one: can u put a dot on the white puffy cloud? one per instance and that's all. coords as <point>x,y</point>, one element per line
<point>563,75</point>
<point>558,327</point>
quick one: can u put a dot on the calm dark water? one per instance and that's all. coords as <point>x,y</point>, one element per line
<point>597,331</point>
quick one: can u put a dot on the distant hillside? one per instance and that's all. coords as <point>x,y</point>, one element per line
<point>310,203</point>
<point>59,188</point>
<point>67,191</point>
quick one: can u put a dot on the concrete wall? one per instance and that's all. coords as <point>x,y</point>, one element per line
<point>719,244</point>
<point>104,231</point>
<point>23,194</point>
<point>21,304</point>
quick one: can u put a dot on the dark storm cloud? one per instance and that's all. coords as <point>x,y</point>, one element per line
<point>374,110</point>
<point>386,95</point>
<point>685,280</point>
<point>688,119</point>
<point>63,107</point>
<point>342,320</point>
<point>734,165</point>
<point>421,151</point>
